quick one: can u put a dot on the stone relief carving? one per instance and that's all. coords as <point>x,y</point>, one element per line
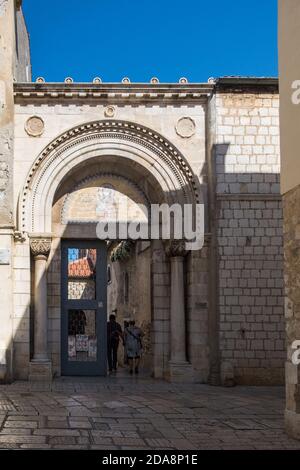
<point>109,111</point>
<point>19,236</point>
<point>3,5</point>
<point>35,126</point>
<point>175,248</point>
<point>185,127</point>
<point>4,175</point>
<point>40,246</point>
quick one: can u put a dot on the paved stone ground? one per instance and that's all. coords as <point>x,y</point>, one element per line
<point>140,413</point>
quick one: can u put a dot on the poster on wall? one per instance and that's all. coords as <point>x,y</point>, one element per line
<point>71,346</point>
<point>93,347</point>
<point>82,343</point>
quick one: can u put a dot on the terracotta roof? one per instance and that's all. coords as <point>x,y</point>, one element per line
<point>83,267</point>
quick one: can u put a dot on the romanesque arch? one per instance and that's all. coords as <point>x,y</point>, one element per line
<point>126,140</point>
<point>123,143</point>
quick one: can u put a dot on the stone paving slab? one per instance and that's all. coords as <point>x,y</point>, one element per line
<point>142,413</point>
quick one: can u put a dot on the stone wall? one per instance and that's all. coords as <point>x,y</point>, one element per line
<point>197,307</point>
<point>22,63</point>
<point>160,287</point>
<point>291,208</point>
<point>137,303</point>
<point>249,234</point>
<point>7,57</point>
<point>249,226</point>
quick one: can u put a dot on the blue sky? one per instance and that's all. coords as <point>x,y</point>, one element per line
<point>140,39</point>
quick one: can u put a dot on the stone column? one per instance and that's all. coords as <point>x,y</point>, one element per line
<point>180,369</point>
<point>40,366</point>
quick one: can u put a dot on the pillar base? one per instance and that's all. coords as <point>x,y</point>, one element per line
<point>181,372</point>
<point>292,423</point>
<point>40,371</point>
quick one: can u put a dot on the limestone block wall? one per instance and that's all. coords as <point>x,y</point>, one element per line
<point>291,206</point>
<point>136,304</point>
<point>21,311</point>
<point>7,48</point>
<point>160,286</point>
<point>197,303</point>
<point>250,257</point>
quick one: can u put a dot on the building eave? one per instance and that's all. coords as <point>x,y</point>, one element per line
<point>244,84</point>
<point>112,92</point>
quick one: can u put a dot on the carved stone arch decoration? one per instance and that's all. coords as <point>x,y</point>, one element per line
<point>123,139</point>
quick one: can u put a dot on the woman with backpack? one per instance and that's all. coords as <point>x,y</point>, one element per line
<point>133,346</point>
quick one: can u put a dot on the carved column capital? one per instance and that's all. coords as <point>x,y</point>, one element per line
<point>18,4</point>
<point>40,246</point>
<point>175,248</point>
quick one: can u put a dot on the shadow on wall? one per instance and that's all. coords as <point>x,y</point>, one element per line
<point>248,232</point>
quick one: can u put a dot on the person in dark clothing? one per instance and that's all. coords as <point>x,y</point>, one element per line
<point>114,333</point>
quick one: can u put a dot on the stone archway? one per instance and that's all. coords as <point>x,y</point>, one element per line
<point>154,163</point>
<point>123,139</point>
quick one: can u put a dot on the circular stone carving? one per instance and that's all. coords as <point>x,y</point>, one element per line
<point>109,111</point>
<point>40,80</point>
<point>34,126</point>
<point>185,127</point>
<point>154,80</point>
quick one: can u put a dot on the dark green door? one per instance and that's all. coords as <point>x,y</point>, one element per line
<point>83,309</point>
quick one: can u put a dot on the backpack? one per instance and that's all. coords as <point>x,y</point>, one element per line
<point>113,333</point>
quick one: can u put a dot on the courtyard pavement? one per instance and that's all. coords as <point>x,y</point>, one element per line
<point>120,412</point>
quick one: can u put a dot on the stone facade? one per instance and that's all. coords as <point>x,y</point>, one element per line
<point>212,315</point>
<point>292,306</point>
<point>249,220</point>
<point>289,63</point>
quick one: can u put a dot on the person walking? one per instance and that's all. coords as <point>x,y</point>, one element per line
<point>133,345</point>
<point>126,325</point>
<point>114,333</point>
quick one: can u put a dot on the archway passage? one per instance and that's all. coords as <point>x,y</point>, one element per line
<point>86,197</point>
<point>83,176</point>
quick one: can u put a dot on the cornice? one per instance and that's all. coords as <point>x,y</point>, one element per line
<point>111,92</point>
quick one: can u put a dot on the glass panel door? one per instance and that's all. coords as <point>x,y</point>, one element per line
<point>83,310</point>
